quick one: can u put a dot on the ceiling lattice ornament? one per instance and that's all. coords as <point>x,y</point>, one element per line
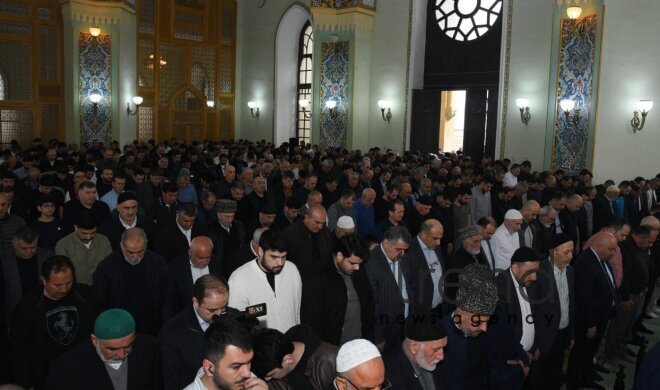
<point>467,20</point>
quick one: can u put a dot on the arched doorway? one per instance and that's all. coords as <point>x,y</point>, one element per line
<point>187,115</point>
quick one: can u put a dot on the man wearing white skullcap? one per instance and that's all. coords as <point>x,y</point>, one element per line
<point>345,225</point>
<point>359,366</point>
<point>505,241</point>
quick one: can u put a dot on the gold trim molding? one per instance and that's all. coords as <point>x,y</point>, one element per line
<point>97,12</point>
<point>345,19</point>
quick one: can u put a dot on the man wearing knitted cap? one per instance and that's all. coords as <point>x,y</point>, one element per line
<point>360,366</point>
<point>469,253</point>
<point>505,241</point>
<point>555,290</point>
<point>466,353</point>
<point>227,233</point>
<point>115,358</point>
<point>414,365</point>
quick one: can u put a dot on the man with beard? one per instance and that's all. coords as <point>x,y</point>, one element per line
<point>48,322</point>
<point>127,217</point>
<point>116,358</point>
<point>227,359</point>
<point>227,233</point>
<point>414,365</point>
<point>466,362</point>
<point>269,279</point>
<point>134,279</point>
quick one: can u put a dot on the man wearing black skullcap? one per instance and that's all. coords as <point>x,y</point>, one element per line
<point>414,364</point>
<point>514,301</point>
<point>127,217</point>
<point>266,218</point>
<point>555,313</point>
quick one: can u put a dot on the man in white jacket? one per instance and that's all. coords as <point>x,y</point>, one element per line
<point>269,279</point>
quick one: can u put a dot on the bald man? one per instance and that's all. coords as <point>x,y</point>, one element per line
<point>528,233</point>
<point>595,299</point>
<point>568,218</point>
<point>365,219</point>
<point>186,269</point>
<point>425,258</point>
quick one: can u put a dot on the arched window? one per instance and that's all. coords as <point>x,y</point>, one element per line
<point>305,52</point>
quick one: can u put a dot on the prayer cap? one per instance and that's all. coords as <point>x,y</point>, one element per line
<point>126,195</point>
<point>424,328</point>
<point>468,231</point>
<point>477,293</point>
<point>354,353</point>
<point>559,239</point>
<point>226,205</point>
<point>114,324</point>
<point>345,222</point>
<point>524,254</point>
<point>513,214</point>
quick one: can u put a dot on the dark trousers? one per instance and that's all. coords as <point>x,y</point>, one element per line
<point>580,362</point>
<point>547,372</point>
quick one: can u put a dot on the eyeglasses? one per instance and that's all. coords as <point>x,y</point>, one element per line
<point>383,386</point>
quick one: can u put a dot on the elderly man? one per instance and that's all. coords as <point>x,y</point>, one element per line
<point>134,279</point>
<point>390,276</point>
<point>604,207</point>
<point>487,227</point>
<point>85,247</point>
<point>414,366</point>
<point>527,233</point>
<point>428,266</point>
<point>116,357</point>
<point>181,339</point>
<point>506,239</point>
<point>364,214</point>
<point>272,280</point>
<point>309,247</point>
<point>227,357</point>
<point>360,366</point>
<point>555,291</point>
<point>419,213</point>
<point>227,233</point>
<point>47,322</point>
<point>174,240</point>
<point>20,266</point>
<point>249,206</point>
<point>568,218</point>
<point>297,358</point>
<point>184,271</point>
<point>343,207</point>
<point>244,254</point>
<point>127,217</point>
<point>545,228</point>
<point>266,219</point>
<point>466,354</point>
<point>345,226</point>
<point>596,298</point>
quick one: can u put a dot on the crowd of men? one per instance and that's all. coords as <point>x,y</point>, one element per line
<point>241,265</point>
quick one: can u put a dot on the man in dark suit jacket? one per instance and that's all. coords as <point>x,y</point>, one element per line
<point>227,233</point>
<point>554,294</point>
<point>343,281</point>
<point>182,338</point>
<point>568,217</point>
<point>309,247</point>
<point>414,365</point>
<point>174,240</point>
<point>81,367</point>
<point>514,300</point>
<point>428,266</point>
<point>603,209</point>
<point>197,261</point>
<point>469,253</point>
<point>595,301</point>
<point>164,210</point>
<point>392,285</point>
<point>127,215</point>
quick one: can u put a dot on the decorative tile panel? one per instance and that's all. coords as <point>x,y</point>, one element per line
<point>95,76</point>
<point>145,123</point>
<point>335,85</point>
<point>575,81</point>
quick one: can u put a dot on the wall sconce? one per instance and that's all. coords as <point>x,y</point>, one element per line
<point>523,106</point>
<point>385,105</point>
<point>95,98</point>
<point>137,100</point>
<point>252,106</point>
<point>573,12</point>
<point>95,31</point>
<point>332,107</point>
<point>643,106</point>
<point>303,103</point>
<point>568,105</point>
<point>210,104</point>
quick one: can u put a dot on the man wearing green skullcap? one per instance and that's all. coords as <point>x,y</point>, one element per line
<point>116,358</point>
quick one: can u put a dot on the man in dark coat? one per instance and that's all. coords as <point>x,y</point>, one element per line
<point>345,306</point>
<point>414,366</point>
<point>309,247</point>
<point>392,285</point>
<point>48,322</point>
<point>182,338</point>
<point>243,255</point>
<point>428,266</point>
<point>115,358</point>
<point>135,279</point>
<point>227,233</point>
<point>164,210</point>
<point>469,253</point>
<point>603,208</point>
<point>127,216</point>
<point>185,270</point>
<point>554,292</point>
<point>173,240</point>
<point>568,217</point>
<point>596,298</point>
<point>88,199</point>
